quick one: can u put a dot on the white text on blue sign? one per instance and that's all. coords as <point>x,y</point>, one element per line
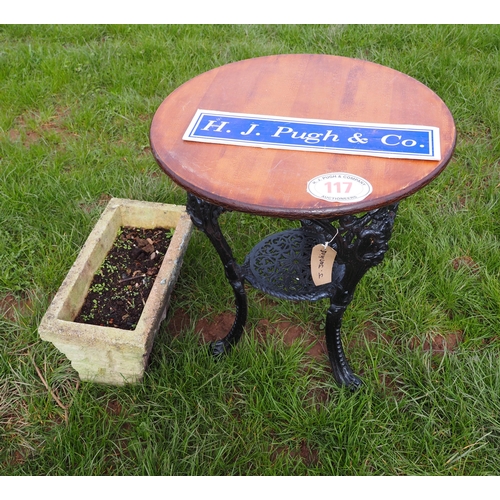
<point>325,136</point>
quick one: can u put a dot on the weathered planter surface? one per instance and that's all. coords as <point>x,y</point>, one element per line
<point>104,354</point>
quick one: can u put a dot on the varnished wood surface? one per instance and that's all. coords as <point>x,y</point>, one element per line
<point>274,182</point>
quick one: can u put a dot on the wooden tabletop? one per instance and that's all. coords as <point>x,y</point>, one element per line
<point>274,182</point>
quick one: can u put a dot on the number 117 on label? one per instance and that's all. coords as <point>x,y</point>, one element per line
<point>338,187</point>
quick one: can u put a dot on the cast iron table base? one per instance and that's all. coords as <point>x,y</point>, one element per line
<point>280,266</point>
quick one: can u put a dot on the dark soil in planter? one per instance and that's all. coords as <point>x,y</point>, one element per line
<point>122,284</point>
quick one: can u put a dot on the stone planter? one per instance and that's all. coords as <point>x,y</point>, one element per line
<point>104,354</point>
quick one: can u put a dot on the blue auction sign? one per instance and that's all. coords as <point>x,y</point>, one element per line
<point>358,138</point>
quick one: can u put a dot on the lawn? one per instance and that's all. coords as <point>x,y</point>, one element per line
<point>76,103</point>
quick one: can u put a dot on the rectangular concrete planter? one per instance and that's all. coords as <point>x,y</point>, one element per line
<point>104,354</point>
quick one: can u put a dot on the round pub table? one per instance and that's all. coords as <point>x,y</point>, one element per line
<point>332,142</point>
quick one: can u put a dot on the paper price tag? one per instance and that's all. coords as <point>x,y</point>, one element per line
<point>322,259</point>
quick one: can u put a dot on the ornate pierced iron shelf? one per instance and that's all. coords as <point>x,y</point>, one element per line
<point>280,266</point>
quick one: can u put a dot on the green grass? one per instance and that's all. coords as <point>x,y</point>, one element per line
<point>76,103</point>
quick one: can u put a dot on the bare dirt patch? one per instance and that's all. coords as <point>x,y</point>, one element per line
<point>12,307</point>
<point>304,452</point>
<point>290,332</point>
<point>438,344</point>
<point>178,320</point>
<point>217,326</point>
<point>368,335</point>
<point>113,408</point>
<point>102,201</point>
<point>28,133</point>
<point>465,262</point>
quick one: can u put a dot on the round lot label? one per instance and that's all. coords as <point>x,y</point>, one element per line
<point>339,187</point>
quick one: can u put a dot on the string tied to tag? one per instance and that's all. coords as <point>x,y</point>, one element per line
<point>322,259</point>
<point>327,243</point>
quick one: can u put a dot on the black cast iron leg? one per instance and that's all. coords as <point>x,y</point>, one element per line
<point>342,372</point>
<point>361,243</point>
<point>205,217</point>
